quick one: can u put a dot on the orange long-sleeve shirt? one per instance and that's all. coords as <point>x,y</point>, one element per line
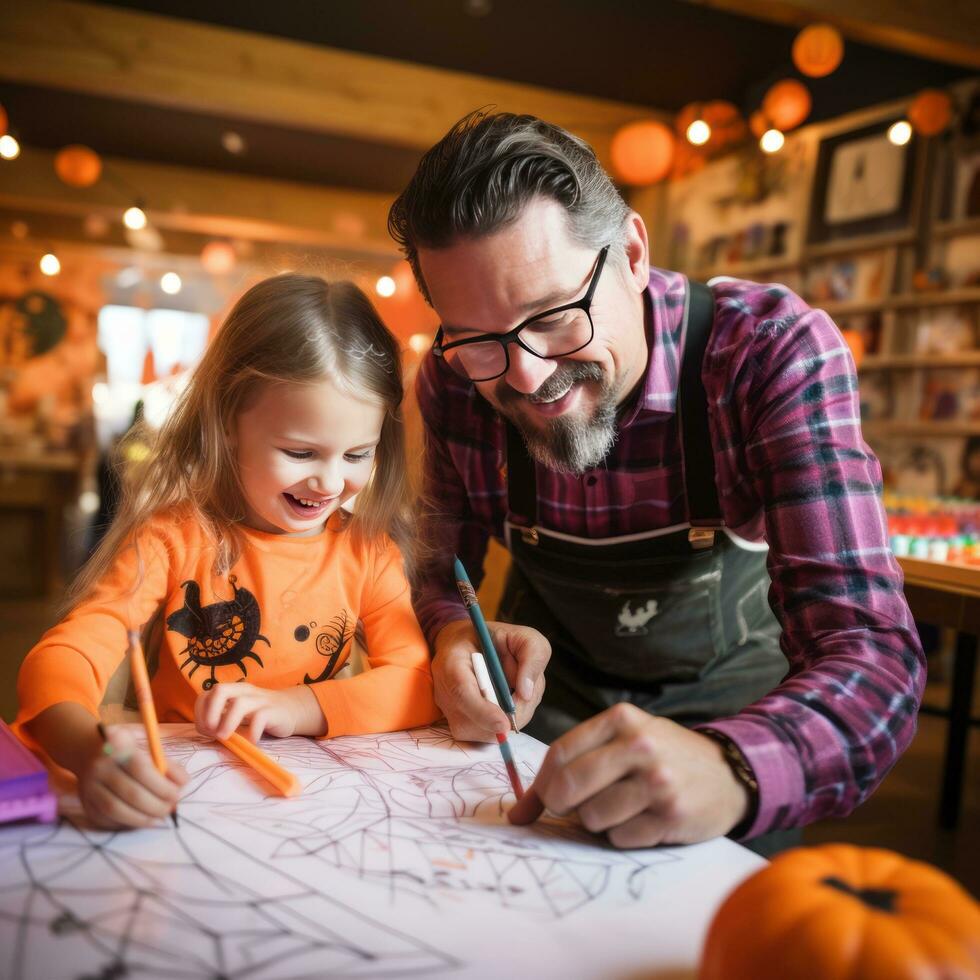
<point>285,615</point>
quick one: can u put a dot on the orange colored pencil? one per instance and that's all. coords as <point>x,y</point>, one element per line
<point>282,779</point>
<point>144,697</point>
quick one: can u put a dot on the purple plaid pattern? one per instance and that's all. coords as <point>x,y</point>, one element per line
<point>792,469</point>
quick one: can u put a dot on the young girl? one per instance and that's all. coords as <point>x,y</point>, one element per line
<point>232,553</point>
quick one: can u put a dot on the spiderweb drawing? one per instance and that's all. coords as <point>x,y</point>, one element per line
<point>393,837</point>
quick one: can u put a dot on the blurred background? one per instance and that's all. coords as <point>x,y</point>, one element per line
<point>157,158</point>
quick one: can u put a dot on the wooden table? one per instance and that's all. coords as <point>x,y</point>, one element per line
<point>948,594</point>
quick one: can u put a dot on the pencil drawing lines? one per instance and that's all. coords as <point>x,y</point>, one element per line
<point>189,908</point>
<point>370,811</point>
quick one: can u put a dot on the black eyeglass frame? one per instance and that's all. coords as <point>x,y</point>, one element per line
<point>513,336</point>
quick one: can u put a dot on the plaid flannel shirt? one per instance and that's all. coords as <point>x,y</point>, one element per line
<point>792,470</point>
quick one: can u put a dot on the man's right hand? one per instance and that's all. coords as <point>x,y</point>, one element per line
<point>524,653</point>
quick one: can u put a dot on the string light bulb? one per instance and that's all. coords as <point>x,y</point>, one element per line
<point>50,265</point>
<point>9,147</point>
<point>385,286</point>
<point>698,133</point>
<point>134,218</point>
<point>899,133</point>
<point>171,283</point>
<point>772,141</point>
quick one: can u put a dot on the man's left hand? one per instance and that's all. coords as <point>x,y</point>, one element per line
<point>643,780</point>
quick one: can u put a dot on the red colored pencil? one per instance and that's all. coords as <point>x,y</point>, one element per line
<point>515,779</point>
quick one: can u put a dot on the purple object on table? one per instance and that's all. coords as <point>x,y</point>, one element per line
<point>24,789</point>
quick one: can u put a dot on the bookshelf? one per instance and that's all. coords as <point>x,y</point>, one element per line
<point>905,288</point>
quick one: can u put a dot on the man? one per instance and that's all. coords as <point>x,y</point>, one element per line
<point>637,444</point>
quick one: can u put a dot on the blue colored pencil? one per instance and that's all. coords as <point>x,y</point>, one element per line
<point>500,685</point>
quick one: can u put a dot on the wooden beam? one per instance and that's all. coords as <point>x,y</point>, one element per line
<point>946,31</point>
<point>106,51</point>
<point>208,203</point>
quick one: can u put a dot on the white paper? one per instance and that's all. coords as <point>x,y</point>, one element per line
<point>396,860</point>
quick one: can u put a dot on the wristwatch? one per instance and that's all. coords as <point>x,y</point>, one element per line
<point>743,773</point>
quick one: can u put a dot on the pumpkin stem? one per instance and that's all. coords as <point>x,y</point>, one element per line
<point>878,898</point>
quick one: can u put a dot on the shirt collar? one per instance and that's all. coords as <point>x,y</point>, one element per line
<point>664,300</point>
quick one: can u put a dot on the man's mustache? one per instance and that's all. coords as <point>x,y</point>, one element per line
<point>562,378</point>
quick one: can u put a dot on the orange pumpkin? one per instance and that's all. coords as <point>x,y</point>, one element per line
<point>818,50</point>
<point>642,152</point>
<point>840,911</point>
<point>787,104</point>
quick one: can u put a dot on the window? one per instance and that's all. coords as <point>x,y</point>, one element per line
<point>127,336</point>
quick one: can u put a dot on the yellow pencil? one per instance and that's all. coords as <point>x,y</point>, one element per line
<point>144,698</point>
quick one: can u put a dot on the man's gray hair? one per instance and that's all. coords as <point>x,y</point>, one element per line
<point>487,168</point>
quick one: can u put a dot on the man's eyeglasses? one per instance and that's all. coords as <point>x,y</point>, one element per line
<point>554,333</point>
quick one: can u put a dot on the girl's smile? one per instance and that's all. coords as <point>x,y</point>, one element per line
<point>306,508</point>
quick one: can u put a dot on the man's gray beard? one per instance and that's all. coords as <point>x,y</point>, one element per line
<point>566,444</point>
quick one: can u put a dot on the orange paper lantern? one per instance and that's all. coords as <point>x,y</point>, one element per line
<point>78,166</point>
<point>758,123</point>
<point>3,120</point>
<point>726,122</point>
<point>687,115</point>
<point>818,50</point>
<point>687,159</point>
<point>404,278</point>
<point>642,152</point>
<point>218,257</point>
<point>855,340</point>
<point>931,112</point>
<point>787,104</point>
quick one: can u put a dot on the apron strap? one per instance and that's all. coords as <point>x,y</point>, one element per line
<point>692,407</point>
<point>699,465</point>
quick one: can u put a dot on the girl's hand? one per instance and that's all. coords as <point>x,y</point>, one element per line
<point>122,788</point>
<point>218,712</point>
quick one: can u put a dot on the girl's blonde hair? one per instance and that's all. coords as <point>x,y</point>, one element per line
<point>291,329</point>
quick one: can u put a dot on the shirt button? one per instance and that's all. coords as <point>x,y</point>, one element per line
<point>592,481</point>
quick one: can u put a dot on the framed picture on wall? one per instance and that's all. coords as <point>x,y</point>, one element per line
<point>863,185</point>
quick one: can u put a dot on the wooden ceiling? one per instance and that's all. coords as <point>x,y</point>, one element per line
<point>335,102</point>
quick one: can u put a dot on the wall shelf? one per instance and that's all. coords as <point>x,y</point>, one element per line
<point>889,427</point>
<point>964,226</point>
<point>913,362</point>
<point>742,270</point>
<point>901,301</point>
<point>864,243</point>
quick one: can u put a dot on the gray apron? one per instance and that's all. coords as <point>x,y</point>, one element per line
<point>675,621</point>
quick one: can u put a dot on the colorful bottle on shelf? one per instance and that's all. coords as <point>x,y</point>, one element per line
<point>942,529</point>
